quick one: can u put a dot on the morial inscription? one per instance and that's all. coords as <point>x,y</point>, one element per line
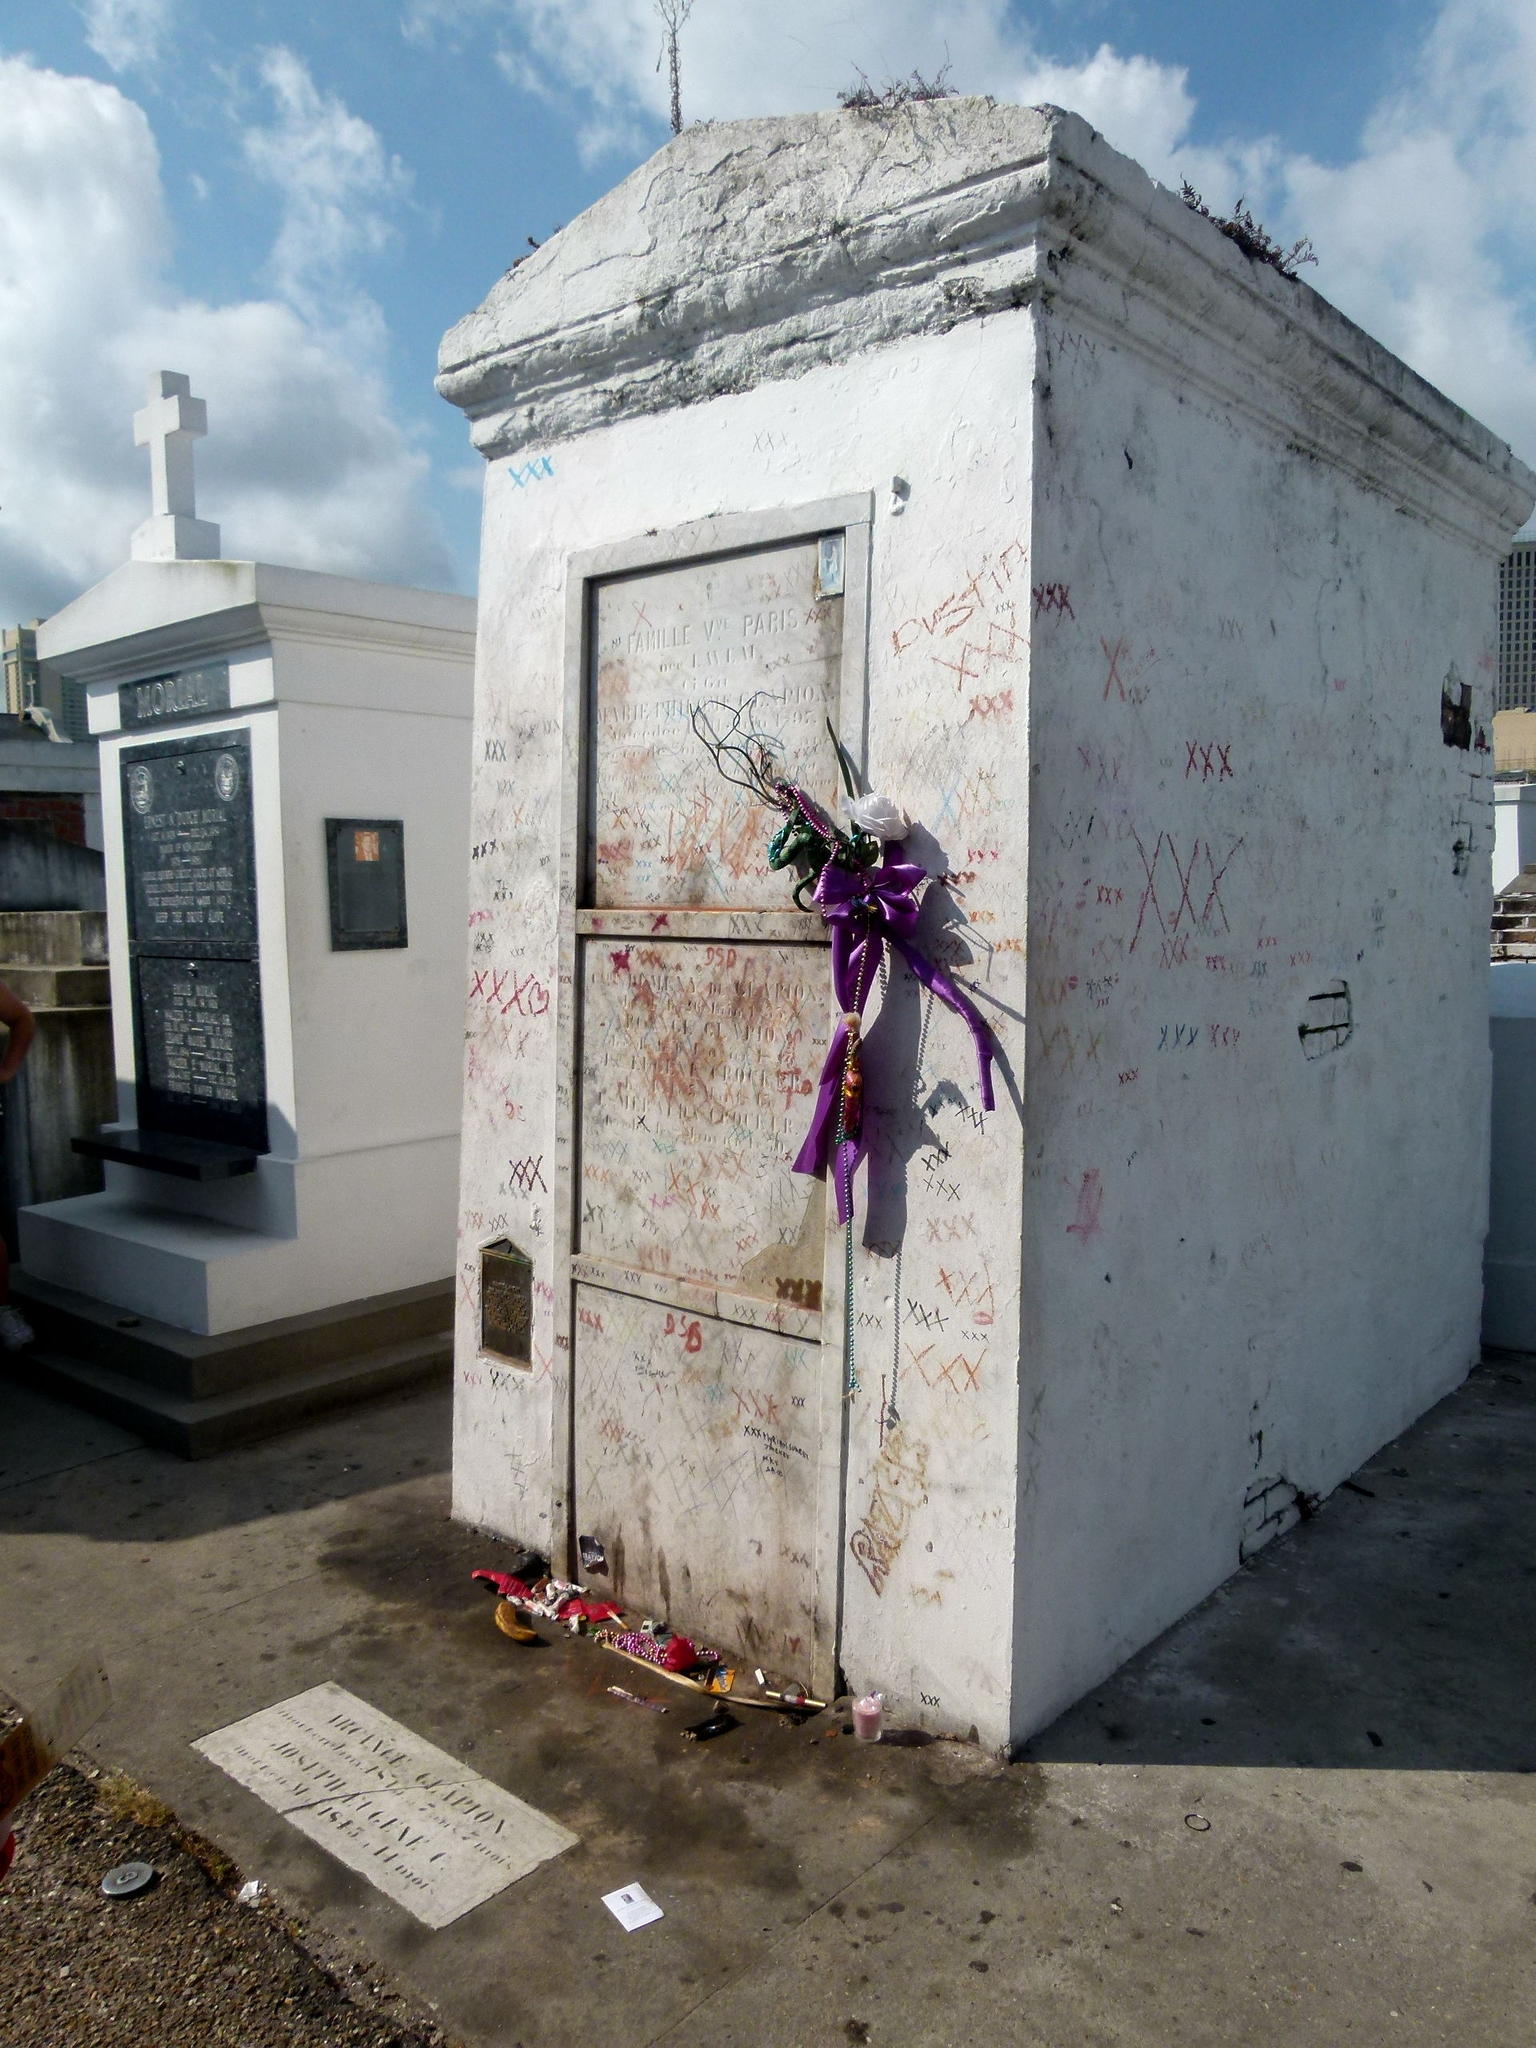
<point>162,700</point>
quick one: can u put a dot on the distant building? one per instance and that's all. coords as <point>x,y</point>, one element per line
<point>53,792</point>
<point>19,645</point>
<point>33,686</point>
<point>1517,629</point>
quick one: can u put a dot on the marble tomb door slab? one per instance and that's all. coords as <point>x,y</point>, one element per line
<point>706,1411</point>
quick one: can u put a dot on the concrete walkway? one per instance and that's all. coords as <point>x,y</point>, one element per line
<point>1352,1715</point>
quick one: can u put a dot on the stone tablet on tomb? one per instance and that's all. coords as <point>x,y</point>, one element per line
<point>201,1072</point>
<point>188,841</point>
<point>744,627</point>
<point>189,857</point>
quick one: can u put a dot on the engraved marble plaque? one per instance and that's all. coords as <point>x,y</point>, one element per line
<point>666,827</point>
<point>189,856</point>
<point>202,1067</point>
<point>699,1068</point>
<point>430,1833</point>
<point>188,845</point>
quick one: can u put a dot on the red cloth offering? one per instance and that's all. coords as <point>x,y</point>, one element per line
<point>508,1587</point>
<point>591,1610</point>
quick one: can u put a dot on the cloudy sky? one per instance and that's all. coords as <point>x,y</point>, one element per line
<point>291,202</point>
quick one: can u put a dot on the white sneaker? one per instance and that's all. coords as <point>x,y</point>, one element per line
<point>15,1330</point>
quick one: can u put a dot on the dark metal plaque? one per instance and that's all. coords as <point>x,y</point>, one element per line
<point>506,1302</point>
<point>201,1057</point>
<point>365,860</point>
<point>188,846</point>
<point>187,693</point>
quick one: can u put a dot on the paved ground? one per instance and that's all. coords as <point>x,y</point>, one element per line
<point>1353,1716</point>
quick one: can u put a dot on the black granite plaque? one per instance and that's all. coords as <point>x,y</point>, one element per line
<point>187,693</point>
<point>202,1064</point>
<point>189,857</point>
<point>365,859</point>
<point>188,846</point>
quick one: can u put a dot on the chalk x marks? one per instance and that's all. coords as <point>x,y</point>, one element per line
<point>1194,887</point>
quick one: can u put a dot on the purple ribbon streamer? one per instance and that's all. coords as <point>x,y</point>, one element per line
<point>863,907</point>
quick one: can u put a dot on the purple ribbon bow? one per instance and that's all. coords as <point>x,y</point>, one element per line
<point>863,908</point>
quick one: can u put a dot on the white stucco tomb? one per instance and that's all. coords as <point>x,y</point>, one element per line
<point>1116,558</point>
<point>285,765</point>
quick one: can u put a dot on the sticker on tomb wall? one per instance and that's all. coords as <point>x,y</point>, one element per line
<point>868,899</point>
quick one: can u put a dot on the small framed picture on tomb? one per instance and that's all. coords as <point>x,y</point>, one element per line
<point>365,864</point>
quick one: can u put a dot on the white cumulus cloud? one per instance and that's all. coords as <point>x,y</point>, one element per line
<point>128,34</point>
<point>304,463</point>
<point>337,183</point>
<point>1427,236</point>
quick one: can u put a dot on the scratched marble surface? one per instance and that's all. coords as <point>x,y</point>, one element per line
<point>698,1067</point>
<point>667,827</point>
<point>698,1447</point>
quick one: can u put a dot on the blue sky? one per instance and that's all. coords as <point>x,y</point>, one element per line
<point>292,203</point>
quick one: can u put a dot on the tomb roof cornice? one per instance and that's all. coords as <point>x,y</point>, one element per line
<point>153,612</point>
<point>749,251</point>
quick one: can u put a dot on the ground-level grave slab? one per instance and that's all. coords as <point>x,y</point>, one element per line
<point>430,1833</point>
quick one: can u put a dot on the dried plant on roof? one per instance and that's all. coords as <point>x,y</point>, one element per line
<point>865,98</point>
<point>1254,240</point>
<point>674,14</point>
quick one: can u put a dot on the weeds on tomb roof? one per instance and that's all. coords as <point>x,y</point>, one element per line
<point>533,244</point>
<point>1254,240</point>
<point>865,98</point>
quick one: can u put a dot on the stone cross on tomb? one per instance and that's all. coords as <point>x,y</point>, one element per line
<point>167,426</point>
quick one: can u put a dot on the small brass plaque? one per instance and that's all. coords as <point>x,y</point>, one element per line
<point>506,1302</point>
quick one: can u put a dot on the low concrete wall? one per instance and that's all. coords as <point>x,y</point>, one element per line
<point>66,1087</point>
<point>55,960</point>
<point>53,938</point>
<point>40,872</point>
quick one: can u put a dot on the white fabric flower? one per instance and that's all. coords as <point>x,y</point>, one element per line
<point>879,817</point>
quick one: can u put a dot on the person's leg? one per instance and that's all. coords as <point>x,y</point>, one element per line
<point>15,1330</point>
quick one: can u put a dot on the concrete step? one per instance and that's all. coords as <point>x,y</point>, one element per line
<point>201,1428</point>
<point>184,1366</point>
<point>197,1270</point>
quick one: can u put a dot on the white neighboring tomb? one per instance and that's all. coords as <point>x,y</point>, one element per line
<point>1139,550</point>
<point>285,769</point>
